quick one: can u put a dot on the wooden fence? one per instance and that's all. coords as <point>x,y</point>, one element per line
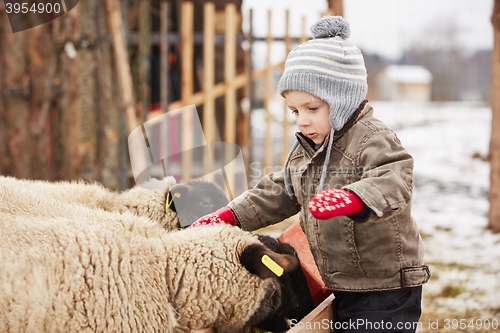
<point>73,101</point>
<point>233,81</point>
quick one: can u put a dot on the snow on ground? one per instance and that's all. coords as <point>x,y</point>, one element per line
<point>449,143</point>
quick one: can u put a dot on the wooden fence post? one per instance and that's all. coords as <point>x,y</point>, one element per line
<point>286,140</point>
<point>143,58</point>
<point>268,142</point>
<point>122,62</point>
<point>209,126</point>
<point>164,9</point>
<point>230,97</point>
<point>110,155</point>
<point>249,88</point>
<point>186,87</point>
<point>164,69</point>
<point>336,7</point>
<point>494,153</point>
<point>303,35</point>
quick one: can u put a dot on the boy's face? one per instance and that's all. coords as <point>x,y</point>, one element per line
<point>311,114</point>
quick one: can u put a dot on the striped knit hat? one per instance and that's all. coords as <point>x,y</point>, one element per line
<point>330,68</point>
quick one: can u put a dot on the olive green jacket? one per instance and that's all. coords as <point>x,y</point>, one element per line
<point>382,251</point>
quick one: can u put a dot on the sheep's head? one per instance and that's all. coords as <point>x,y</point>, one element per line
<point>194,199</point>
<point>294,301</point>
<point>221,281</point>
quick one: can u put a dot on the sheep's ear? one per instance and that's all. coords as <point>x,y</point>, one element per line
<point>263,262</point>
<point>174,197</point>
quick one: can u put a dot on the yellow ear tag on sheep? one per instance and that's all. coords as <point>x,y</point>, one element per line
<point>167,203</point>
<point>272,265</point>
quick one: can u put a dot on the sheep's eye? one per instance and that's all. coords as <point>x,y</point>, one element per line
<point>205,203</point>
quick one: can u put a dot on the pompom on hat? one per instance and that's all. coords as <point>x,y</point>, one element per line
<point>330,68</point>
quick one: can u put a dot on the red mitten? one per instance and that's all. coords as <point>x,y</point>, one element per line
<point>334,202</point>
<point>223,215</point>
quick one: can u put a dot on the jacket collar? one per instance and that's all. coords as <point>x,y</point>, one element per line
<point>363,108</point>
<point>308,144</point>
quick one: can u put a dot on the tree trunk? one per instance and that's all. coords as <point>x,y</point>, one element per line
<point>70,104</point>
<point>494,153</point>
<point>4,160</point>
<point>60,109</point>
<point>87,72</point>
<point>16,102</point>
<point>43,123</point>
<point>109,114</point>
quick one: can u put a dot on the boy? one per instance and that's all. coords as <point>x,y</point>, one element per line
<point>351,180</point>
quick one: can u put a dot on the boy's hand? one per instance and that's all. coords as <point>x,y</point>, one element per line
<point>223,215</point>
<point>334,202</point>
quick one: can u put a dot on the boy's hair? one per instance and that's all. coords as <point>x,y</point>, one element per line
<point>330,68</point>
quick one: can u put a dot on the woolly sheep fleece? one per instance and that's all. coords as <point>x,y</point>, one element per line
<point>106,272</point>
<point>146,202</point>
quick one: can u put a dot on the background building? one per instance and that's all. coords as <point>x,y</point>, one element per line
<point>404,83</point>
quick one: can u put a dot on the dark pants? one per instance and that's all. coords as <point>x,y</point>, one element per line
<point>395,311</point>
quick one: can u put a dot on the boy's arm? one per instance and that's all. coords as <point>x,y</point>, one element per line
<point>384,188</point>
<point>265,204</point>
<point>386,182</point>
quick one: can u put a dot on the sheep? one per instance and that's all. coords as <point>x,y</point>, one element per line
<point>194,199</point>
<point>71,268</point>
<point>299,302</point>
<point>202,198</point>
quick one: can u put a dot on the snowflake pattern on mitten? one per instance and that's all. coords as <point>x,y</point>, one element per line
<point>334,202</point>
<point>223,215</point>
<point>213,219</point>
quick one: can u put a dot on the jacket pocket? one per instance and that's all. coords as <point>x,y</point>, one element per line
<point>414,276</point>
<point>379,247</point>
<point>338,244</point>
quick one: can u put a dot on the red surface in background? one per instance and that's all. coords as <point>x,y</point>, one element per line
<point>294,236</point>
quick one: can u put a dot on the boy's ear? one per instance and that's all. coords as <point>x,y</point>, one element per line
<point>265,263</point>
<point>175,195</point>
